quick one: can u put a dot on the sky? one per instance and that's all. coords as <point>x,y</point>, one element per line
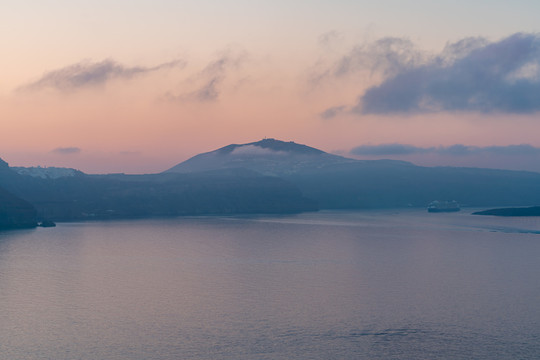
<point>138,86</point>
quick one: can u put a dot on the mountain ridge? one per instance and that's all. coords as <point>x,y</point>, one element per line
<point>266,176</point>
<point>267,156</point>
<point>116,196</point>
<point>336,182</point>
<point>274,145</point>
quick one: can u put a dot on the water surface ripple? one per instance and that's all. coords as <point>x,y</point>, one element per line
<point>400,284</point>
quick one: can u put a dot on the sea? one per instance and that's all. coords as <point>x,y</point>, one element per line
<point>385,284</point>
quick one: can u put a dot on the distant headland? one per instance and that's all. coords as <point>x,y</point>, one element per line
<point>511,211</point>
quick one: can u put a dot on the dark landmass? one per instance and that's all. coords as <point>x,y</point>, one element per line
<point>337,182</point>
<point>115,196</point>
<point>14,211</point>
<point>268,157</point>
<point>268,176</point>
<point>512,211</point>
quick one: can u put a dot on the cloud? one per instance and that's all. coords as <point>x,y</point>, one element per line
<point>255,150</point>
<point>211,78</point>
<point>470,75</point>
<point>209,91</point>
<point>129,152</point>
<point>388,149</point>
<point>389,55</point>
<point>67,150</point>
<point>456,150</point>
<point>517,150</point>
<point>329,37</point>
<point>459,150</point>
<point>88,73</point>
<point>332,112</point>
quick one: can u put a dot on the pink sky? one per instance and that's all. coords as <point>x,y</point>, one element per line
<point>105,88</point>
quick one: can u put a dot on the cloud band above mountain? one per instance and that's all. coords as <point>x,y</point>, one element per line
<point>453,150</point>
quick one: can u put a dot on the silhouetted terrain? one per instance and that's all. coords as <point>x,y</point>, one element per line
<point>336,182</point>
<point>84,196</point>
<point>269,157</point>
<point>14,212</point>
<point>528,211</point>
<point>269,176</point>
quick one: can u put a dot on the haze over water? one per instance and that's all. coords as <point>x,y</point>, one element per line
<point>340,285</point>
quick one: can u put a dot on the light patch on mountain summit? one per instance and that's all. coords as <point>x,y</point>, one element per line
<point>256,150</point>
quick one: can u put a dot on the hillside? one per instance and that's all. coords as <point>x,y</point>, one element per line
<point>268,157</point>
<point>79,196</point>
<point>14,212</point>
<point>336,182</point>
<point>513,211</point>
<point>268,176</point>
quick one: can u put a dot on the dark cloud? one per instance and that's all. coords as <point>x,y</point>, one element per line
<point>89,73</point>
<point>469,75</point>
<point>458,150</point>
<point>332,112</point>
<point>67,150</point>
<point>513,150</point>
<point>453,150</point>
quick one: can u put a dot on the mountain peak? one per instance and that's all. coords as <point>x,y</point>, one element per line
<point>267,156</point>
<point>268,146</point>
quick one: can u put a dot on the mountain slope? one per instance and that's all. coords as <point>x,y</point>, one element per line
<point>14,212</point>
<point>268,157</point>
<point>235,179</point>
<point>384,185</point>
<point>228,191</point>
<point>336,182</point>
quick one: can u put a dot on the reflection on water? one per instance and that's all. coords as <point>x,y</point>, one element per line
<point>341,285</point>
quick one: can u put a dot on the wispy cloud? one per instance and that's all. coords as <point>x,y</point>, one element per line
<point>130,153</point>
<point>209,91</point>
<point>470,75</point>
<point>211,78</point>
<point>67,150</point>
<point>88,73</point>
<point>453,150</point>
<point>329,37</point>
<point>389,55</point>
<point>332,112</point>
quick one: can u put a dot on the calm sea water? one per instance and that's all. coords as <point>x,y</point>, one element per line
<point>328,285</point>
